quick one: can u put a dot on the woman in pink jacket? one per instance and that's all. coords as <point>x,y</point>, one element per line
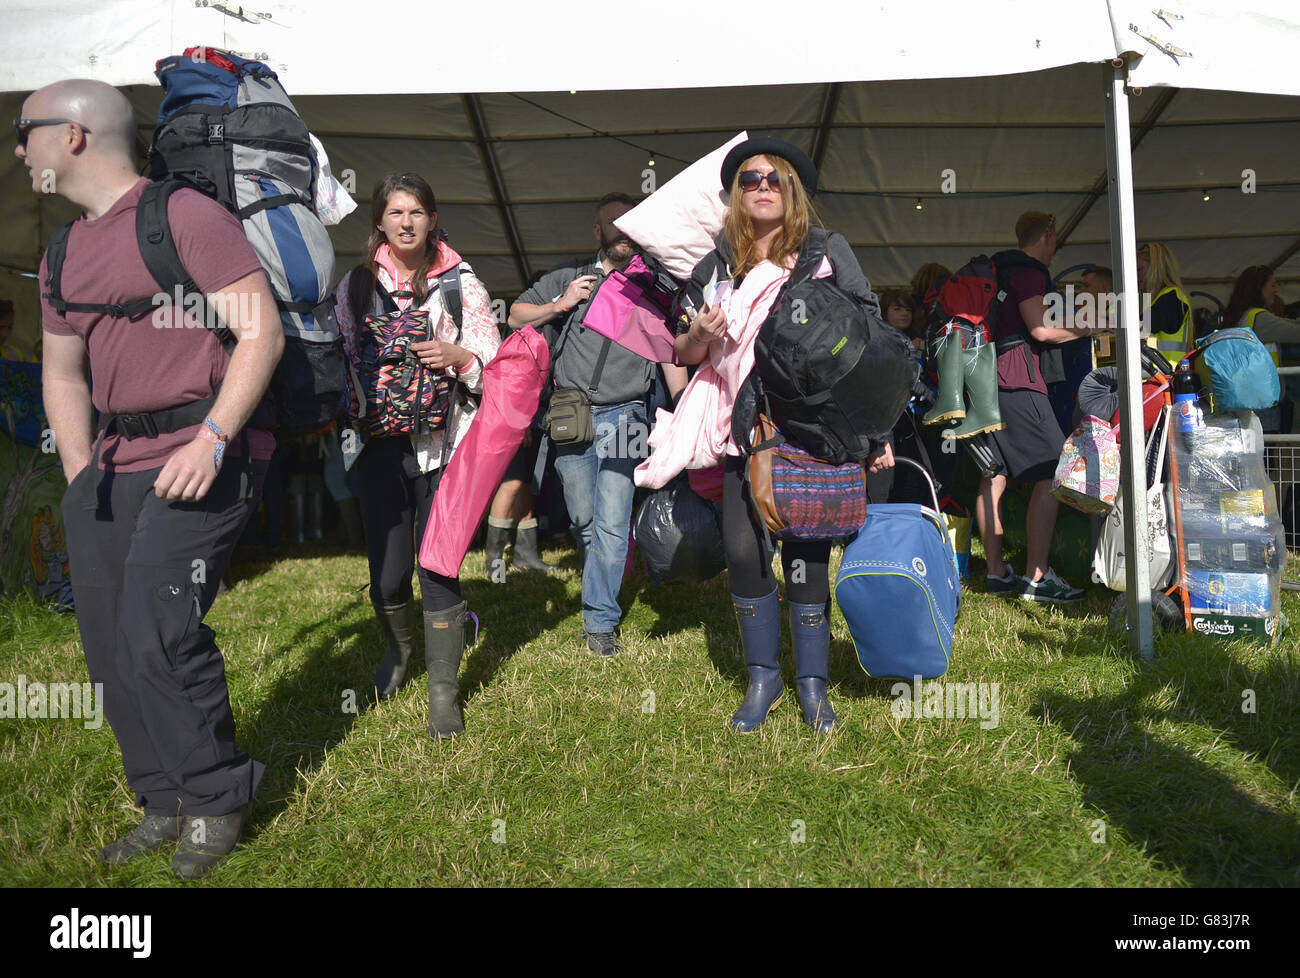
<point>770,221</point>
<point>399,474</point>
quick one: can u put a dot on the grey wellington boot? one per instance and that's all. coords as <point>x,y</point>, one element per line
<point>494,552</point>
<point>526,555</point>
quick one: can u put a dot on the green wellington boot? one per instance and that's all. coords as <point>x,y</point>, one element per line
<point>981,372</point>
<point>948,403</point>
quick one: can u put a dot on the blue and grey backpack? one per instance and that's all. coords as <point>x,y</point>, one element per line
<point>899,591</point>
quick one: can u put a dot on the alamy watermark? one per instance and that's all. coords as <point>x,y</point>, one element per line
<point>1079,309</point>
<point>78,931</point>
<point>931,699</point>
<point>181,310</point>
<point>25,700</point>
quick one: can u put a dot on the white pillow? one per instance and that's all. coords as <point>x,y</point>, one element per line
<point>678,222</point>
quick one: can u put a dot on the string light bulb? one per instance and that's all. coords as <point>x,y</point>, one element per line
<point>1205,195</point>
<point>652,158</point>
<point>918,203</point>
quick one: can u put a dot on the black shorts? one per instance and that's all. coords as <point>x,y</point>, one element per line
<point>1030,445</point>
<point>521,466</point>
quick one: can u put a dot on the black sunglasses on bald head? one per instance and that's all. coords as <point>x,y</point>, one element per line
<point>24,127</point>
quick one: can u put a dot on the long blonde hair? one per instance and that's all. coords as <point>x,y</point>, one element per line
<point>799,216</point>
<point>1162,268</point>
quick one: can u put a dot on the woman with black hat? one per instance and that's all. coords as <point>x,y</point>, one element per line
<point>770,220</point>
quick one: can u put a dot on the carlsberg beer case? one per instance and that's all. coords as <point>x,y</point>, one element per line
<point>1262,630</point>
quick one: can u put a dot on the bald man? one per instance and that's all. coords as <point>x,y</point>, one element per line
<point>159,493</point>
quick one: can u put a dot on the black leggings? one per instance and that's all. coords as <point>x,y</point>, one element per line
<point>749,559</point>
<point>394,509</point>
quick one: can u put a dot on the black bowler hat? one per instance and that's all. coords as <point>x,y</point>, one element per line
<point>762,146</point>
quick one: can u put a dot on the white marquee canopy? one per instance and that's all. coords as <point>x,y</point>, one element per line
<point>1002,95</point>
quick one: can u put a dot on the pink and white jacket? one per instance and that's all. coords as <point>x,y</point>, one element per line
<point>479,335</point>
<point>698,434</point>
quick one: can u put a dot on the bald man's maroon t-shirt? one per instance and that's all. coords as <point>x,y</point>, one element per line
<point>165,358</point>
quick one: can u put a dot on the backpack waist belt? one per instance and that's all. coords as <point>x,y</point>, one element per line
<point>151,424</point>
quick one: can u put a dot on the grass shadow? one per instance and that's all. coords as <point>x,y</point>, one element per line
<point>511,615</point>
<point>306,712</point>
<point>1183,812</point>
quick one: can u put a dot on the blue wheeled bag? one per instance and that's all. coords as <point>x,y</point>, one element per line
<point>899,591</point>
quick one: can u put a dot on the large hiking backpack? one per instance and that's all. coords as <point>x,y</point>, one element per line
<point>227,128</point>
<point>836,377</point>
<point>391,392</point>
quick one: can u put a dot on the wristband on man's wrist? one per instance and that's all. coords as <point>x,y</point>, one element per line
<point>213,433</point>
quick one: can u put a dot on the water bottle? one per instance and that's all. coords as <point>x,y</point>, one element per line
<point>1185,406</point>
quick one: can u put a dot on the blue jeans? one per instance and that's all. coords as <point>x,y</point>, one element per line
<point>598,489</point>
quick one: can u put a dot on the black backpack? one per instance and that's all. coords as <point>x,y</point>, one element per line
<point>834,375</point>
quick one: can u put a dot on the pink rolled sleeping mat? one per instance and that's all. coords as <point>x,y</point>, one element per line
<point>512,385</point>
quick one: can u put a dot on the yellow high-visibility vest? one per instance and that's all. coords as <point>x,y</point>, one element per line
<point>1176,345</point>
<point>1248,320</point>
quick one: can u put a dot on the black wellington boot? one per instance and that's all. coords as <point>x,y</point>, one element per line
<point>444,644</point>
<point>401,643</point>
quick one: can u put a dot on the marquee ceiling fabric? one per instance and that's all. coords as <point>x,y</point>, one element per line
<point>1029,136</point>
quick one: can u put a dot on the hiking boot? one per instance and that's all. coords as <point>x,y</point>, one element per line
<point>1010,583</point>
<point>494,550</point>
<point>526,555</point>
<point>205,841</point>
<point>400,630</point>
<point>981,375</point>
<point>444,644</point>
<point>948,403</point>
<point>760,634</point>
<point>153,832</point>
<point>1051,590</point>
<point>603,643</point>
<point>811,632</point>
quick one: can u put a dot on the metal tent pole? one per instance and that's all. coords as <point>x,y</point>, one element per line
<point>1123,250</point>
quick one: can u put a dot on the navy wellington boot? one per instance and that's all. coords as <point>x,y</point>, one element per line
<point>760,633</point>
<point>811,632</point>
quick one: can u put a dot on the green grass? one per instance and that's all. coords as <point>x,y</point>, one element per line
<point>563,760</point>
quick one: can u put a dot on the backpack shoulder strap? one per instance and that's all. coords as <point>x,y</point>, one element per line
<point>452,297</point>
<point>386,298</point>
<point>814,250</point>
<point>55,252</point>
<point>158,249</point>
